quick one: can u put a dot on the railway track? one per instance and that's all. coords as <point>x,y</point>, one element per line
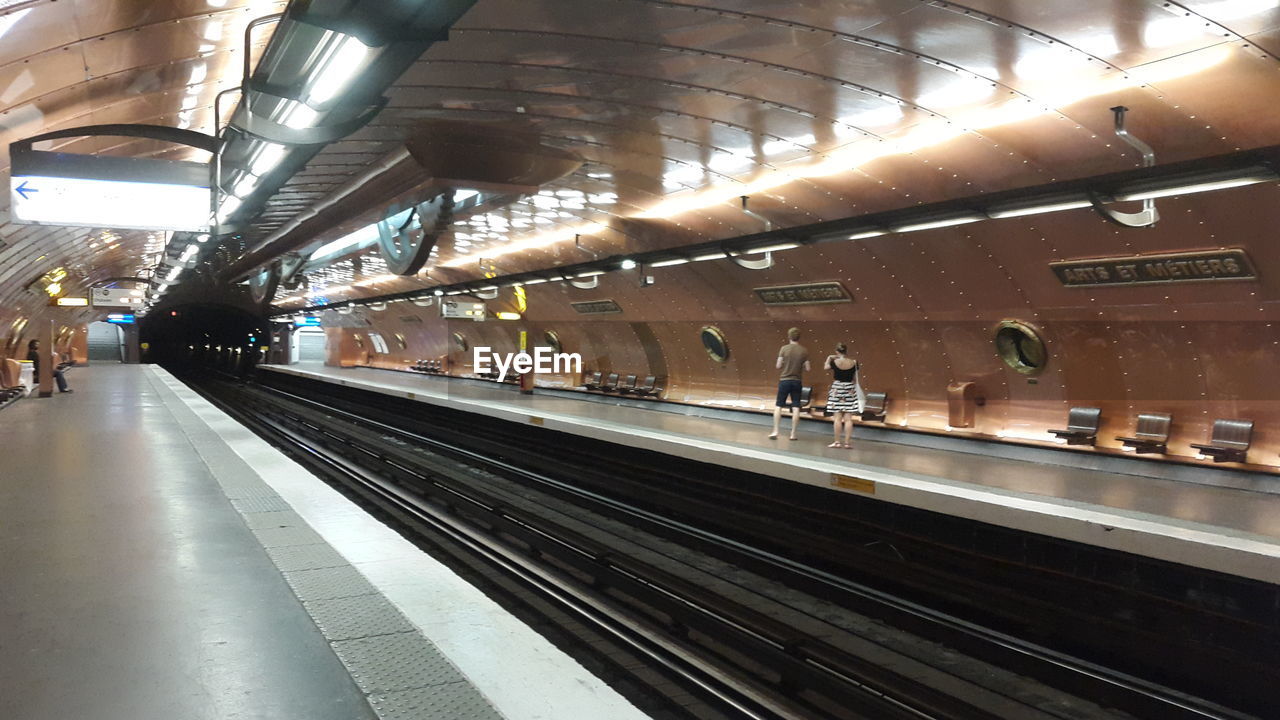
<point>719,650</point>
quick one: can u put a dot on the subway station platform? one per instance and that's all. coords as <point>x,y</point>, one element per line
<point>158,561</point>
<point>1228,524</point>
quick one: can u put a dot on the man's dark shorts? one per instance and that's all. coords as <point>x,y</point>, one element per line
<point>789,389</point>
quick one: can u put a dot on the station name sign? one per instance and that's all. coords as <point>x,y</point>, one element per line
<point>597,307</point>
<point>806,294</point>
<point>1163,268</point>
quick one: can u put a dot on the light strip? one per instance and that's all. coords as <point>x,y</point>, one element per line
<point>590,273</point>
<point>774,248</point>
<point>933,224</point>
<point>1037,209</point>
<point>669,263</point>
<point>867,234</point>
<point>1198,187</point>
<point>709,256</point>
<point>535,281</point>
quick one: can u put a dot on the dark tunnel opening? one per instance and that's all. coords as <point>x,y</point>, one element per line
<point>190,337</point>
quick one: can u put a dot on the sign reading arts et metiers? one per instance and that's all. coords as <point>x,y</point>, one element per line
<point>1162,268</point>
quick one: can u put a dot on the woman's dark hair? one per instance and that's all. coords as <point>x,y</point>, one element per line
<point>32,345</point>
<point>840,347</point>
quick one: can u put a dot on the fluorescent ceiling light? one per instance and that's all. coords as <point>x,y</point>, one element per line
<point>1037,209</point>
<point>268,157</point>
<point>362,237</point>
<point>246,186</point>
<point>1198,187</point>
<point>338,69</point>
<point>668,263</point>
<point>535,281</point>
<point>867,234</point>
<point>593,273</point>
<point>933,224</point>
<point>299,116</point>
<point>709,256</point>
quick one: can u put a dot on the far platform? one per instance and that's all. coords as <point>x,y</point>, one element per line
<point>1221,528</point>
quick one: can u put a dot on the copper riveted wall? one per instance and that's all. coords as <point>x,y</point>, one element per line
<point>926,305</point>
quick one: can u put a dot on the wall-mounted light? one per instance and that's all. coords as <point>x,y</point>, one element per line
<point>940,223</point>
<point>1037,208</point>
<point>507,315</point>
<point>627,264</point>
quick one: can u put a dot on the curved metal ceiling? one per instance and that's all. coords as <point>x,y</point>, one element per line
<point>816,109</point>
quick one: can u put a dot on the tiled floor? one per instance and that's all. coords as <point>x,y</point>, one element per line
<point>1220,528</point>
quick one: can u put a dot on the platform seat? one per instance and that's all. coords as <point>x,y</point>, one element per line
<point>11,387</point>
<point>1229,441</point>
<point>806,396</point>
<point>1152,434</point>
<point>628,385</point>
<point>875,408</point>
<point>610,384</point>
<point>594,382</point>
<point>1082,426</point>
<point>649,388</point>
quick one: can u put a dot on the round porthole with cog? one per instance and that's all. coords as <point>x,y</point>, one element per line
<point>714,342</point>
<point>1021,347</point>
<point>552,339</point>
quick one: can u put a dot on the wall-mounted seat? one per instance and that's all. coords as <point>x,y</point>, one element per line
<point>610,384</point>
<point>1082,426</point>
<point>649,388</point>
<point>594,382</point>
<point>1229,441</point>
<point>1152,434</point>
<point>876,407</point>
<point>628,385</point>
<point>806,396</point>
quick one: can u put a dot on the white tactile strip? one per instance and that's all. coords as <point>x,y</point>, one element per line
<point>475,660</point>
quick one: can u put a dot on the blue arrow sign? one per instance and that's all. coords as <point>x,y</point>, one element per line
<point>23,190</point>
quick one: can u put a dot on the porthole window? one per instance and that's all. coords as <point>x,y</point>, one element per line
<point>1021,347</point>
<point>460,342</point>
<point>715,344</point>
<point>401,342</point>
<point>553,341</point>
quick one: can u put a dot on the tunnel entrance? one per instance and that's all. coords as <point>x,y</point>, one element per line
<point>193,336</point>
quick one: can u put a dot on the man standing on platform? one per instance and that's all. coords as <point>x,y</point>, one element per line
<point>33,354</point>
<point>793,361</point>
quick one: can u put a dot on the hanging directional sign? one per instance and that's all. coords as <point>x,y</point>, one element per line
<point>107,191</point>
<point>109,203</point>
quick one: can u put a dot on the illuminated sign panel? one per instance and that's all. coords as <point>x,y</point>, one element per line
<point>120,319</point>
<point>44,200</point>
<point>73,302</point>
<point>114,297</point>
<point>307,322</point>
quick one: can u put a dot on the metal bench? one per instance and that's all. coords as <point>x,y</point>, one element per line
<point>627,386</point>
<point>875,408</point>
<point>593,382</point>
<point>610,384</point>
<point>1082,426</point>
<point>1152,434</point>
<point>1229,441</point>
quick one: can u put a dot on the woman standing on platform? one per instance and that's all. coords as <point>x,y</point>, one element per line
<point>842,399</point>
